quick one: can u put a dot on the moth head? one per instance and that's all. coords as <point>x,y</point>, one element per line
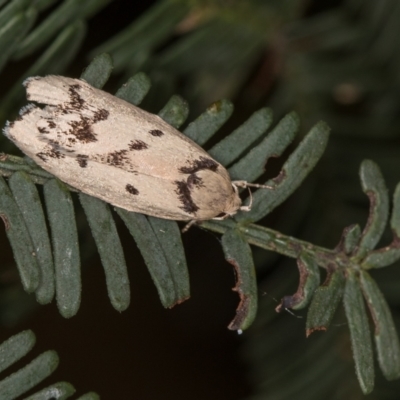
<point>232,206</point>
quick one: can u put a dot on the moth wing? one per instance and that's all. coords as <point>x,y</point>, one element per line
<point>104,128</point>
<point>113,150</point>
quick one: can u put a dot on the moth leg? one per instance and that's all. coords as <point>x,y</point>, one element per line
<point>248,207</point>
<point>189,225</point>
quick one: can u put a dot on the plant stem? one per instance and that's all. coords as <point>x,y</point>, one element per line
<point>269,239</point>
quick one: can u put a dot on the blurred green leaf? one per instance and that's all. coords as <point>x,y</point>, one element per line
<point>12,9</point>
<point>135,90</point>
<point>13,31</point>
<point>98,71</point>
<point>144,34</point>
<point>67,11</point>
<point>175,111</point>
<point>53,60</point>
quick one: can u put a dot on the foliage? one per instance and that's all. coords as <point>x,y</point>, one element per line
<point>42,263</point>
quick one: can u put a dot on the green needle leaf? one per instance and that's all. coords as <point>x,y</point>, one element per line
<point>238,252</point>
<point>395,219</point>
<point>135,90</point>
<point>60,212</point>
<point>204,127</point>
<point>252,165</point>
<point>294,171</point>
<point>325,302</point>
<point>15,348</point>
<point>230,148</point>
<point>386,337</point>
<point>28,200</point>
<point>166,282</point>
<point>309,281</point>
<point>98,71</point>
<point>105,234</point>
<point>374,187</point>
<point>175,111</point>
<point>29,376</point>
<point>20,240</point>
<point>359,333</point>
<point>58,391</point>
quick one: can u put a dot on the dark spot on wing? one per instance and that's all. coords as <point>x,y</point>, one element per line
<point>52,150</point>
<point>156,132</point>
<point>137,145</point>
<point>100,115</point>
<point>42,156</point>
<point>185,197</point>
<point>82,160</point>
<point>76,101</point>
<point>198,165</point>
<point>82,130</point>
<point>51,124</point>
<point>131,189</point>
<point>194,180</point>
<point>53,153</point>
<point>116,158</point>
<point>43,130</point>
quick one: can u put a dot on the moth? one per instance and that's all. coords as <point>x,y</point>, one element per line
<point>110,149</point>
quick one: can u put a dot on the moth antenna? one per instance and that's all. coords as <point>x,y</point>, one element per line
<point>245,184</point>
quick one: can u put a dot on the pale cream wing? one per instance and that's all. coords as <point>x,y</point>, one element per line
<point>98,126</point>
<point>71,145</point>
